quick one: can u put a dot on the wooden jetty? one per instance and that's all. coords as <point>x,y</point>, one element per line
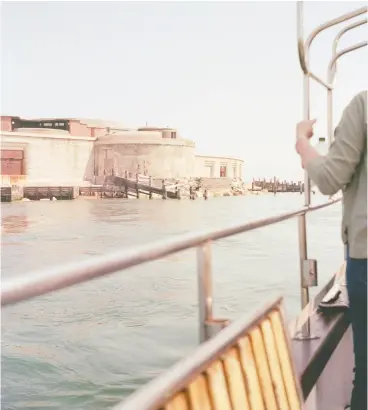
<point>6,194</point>
<point>49,192</point>
<point>14,192</point>
<point>276,186</point>
<point>135,185</point>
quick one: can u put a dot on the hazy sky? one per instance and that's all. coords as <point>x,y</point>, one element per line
<point>226,74</point>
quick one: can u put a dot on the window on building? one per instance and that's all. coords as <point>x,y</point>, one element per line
<point>234,172</point>
<point>223,171</point>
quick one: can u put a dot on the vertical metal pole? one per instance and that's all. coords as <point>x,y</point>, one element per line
<point>204,264</point>
<point>302,226</point>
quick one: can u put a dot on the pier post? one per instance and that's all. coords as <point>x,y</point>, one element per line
<point>191,193</point>
<point>126,183</point>
<point>137,182</point>
<point>177,191</point>
<point>164,193</point>
<point>150,184</point>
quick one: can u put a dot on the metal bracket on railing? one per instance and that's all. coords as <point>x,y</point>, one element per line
<point>215,326</point>
<point>309,277</point>
<point>208,326</point>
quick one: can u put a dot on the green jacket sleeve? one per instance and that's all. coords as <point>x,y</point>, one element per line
<point>332,172</point>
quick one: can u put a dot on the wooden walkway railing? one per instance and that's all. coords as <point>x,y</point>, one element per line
<point>129,184</point>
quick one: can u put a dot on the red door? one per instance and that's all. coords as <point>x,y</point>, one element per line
<point>12,162</point>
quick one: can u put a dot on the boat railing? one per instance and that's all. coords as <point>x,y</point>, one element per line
<point>25,287</point>
<point>303,52</point>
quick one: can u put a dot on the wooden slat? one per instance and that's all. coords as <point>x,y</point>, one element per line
<point>263,369</point>
<point>199,396</point>
<point>235,380</point>
<point>274,365</point>
<point>251,376</point>
<point>253,370</point>
<point>218,387</point>
<point>179,402</point>
<point>285,361</point>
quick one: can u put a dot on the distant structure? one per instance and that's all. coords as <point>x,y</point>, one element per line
<point>71,151</point>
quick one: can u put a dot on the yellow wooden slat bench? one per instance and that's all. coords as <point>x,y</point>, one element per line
<point>247,366</point>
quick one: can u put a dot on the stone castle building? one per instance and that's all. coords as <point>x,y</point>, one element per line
<point>80,151</point>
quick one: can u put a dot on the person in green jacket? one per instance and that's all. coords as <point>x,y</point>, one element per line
<point>345,168</point>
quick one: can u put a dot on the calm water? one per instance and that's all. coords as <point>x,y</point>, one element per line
<point>89,346</point>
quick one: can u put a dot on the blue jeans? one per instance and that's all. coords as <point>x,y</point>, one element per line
<point>356,277</point>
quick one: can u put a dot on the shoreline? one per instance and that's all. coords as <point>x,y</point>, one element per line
<point>199,196</point>
<point>44,193</point>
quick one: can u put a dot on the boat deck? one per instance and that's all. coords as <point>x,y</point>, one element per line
<point>333,387</point>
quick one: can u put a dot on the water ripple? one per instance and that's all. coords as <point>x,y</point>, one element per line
<point>89,346</point>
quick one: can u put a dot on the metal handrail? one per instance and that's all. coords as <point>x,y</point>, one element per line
<point>22,288</point>
<point>338,38</point>
<point>303,53</point>
<point>332,64</point>
<point>304,47</point>
<point>331,72</point>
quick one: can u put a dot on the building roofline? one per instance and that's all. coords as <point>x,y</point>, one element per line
<point>45,135</point>
<point>220,157</point>
<point>90,122</point>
